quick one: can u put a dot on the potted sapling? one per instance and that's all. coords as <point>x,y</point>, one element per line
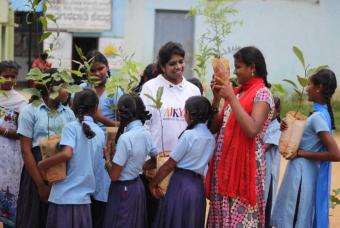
<point>215,13</point>
<point>49,145</point>
<point>295,120</point>
<point>163,156</point>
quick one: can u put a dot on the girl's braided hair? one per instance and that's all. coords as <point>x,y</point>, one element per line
<point>326,78</point>
<point>85,103</point>
<point>199,110</point>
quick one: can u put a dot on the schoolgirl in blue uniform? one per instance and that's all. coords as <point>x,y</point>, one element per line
<point>105,117</point>
<point>69,201</point>
<point>184,202</point>
<point>303,199</point>
<point>273,157</point>
<point>126,203</point>
<point>36,122</point>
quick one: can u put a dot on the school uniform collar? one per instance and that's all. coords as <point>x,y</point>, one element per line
<point>200,126</point>
<point>59,109</point>
<point>88,119</point>
<point>317,106</point>
<point>133,124</point>
<point>170,85</point>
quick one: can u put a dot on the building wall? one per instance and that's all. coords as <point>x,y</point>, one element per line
<point>274,26</point>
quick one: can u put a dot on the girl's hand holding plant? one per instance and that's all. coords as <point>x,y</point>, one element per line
<point>283,125</point>
<point>293,156</point>
<point>44,191</point>
<point>109,150</point>
<point>150,164</point>
<point>155,191</point>
<point>224,88</point>
<point>42,171</point>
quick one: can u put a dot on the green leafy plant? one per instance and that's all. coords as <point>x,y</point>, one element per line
<point>157,104</point>
<point>44,19</point>
<point>126,78</point>
<point>41,78</point>
<point>302,79</point>
<point>84,69</point>
<point>215,13</point>
<point>277,89</point>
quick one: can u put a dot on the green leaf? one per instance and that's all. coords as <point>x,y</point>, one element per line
<point>159,93</point>
<point>299,55</point>
<point>298,92</point>
<point>51,17</point>
<point>72,88</point>
<point>43,22</point>
<point>54,95</point>
<point>32,91</point>
<point>76,72</point>
<point>290,82</point>
<point>44,6</point>
<point>303,81</point>
<point>279,88</point>
<point>151,98</point>
<point>79,51</point>
<point>35,3</point>
<point>66,77</point>
<point>36,103</point>
<point>44,36</point>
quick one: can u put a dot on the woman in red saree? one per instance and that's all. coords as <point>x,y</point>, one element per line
<point>235,179</point>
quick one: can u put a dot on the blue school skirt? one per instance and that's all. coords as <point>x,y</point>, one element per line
<point>31,211</point>
<point>126,205</point>
<point>69,215</point>
<point>184,202</point>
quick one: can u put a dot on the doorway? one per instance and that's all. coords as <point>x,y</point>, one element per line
<point>86,44</point>
<point>175,26</point>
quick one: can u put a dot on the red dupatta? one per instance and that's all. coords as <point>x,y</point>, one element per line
<point>236,169</point>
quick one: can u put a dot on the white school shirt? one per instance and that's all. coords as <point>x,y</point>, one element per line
<point>172,110</point>
<point>132,149</point>
<point>194,149</point>
<point>79,183</point>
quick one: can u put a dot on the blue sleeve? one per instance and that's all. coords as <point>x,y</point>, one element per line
<point>319,123</point>
<point>273,134</point>
<point>122,152</point>
<point>181,148</point>
<point>152,147</point>
<point>26,122</point>
<point>68,136</point>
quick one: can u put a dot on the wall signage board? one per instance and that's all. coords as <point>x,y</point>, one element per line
<point>81,15</point>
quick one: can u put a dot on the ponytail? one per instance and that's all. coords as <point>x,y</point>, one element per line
<point>330,110</point>
<point>200,111</point>
<point>126,116</point>
<point>127,112</point>
<point>191,125</point>
<point>85,103</point>
<point>327,79</point>
<point>86,128</point>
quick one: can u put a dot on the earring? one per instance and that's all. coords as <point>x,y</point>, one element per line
<point>252,73</point>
